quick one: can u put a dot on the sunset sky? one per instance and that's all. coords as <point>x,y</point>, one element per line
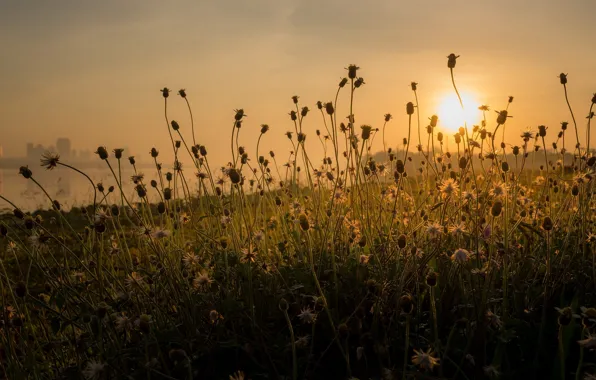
<point>92,70</point>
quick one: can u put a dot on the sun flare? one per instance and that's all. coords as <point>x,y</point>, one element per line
<point>451,115</point>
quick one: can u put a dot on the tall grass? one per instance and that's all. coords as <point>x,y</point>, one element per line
<point>406,264</point>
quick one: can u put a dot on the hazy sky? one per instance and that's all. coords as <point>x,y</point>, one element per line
<point>91,70</point>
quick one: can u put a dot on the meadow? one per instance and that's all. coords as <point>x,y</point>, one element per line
<point>420,262</point>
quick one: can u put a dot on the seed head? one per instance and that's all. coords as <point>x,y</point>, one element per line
<point>563,78</point>
<point>414,86</point>
<point>118,153</point>
<point>182,93</point>
<point>502,116</point>
<point>352,70</point>
<point>239,114</point>
<point>433,120</point>
<point>365,132</point>
<point>431,278</point>
<point>329,108</point>
<point>102,152</point>
<point>410,108</point>
<point>359,82</point>
<point>50,160</point>
<point>401,241</point>
<point>165,92</point>
<point>234,175</point>
<point>25,172</point>
<point>303,221</point>
<point>542,130</point>
<point>496,208</point>
<point>132,160</point>
<point>343,82</point>
<point>175,125</point>
<point>451,60</point>
<point>547,223</point>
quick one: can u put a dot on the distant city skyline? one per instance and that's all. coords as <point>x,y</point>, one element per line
<point>62,146</point>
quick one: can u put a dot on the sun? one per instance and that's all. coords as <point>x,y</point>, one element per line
<point>451,116</point>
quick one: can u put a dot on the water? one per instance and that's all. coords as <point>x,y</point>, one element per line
<point>67,187</point>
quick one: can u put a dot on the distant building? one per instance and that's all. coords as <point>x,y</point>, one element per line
<point>30,149</point>
<point>63,147</point>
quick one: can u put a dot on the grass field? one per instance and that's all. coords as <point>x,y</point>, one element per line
<point>423,263</point>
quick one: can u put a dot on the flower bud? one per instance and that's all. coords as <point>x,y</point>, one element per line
<point>547,223</point>
<point>451,60</point>
<point>352,70</point>
<point>365,132</point>
<point>496,208</point>
<point>401,241</point>
<point>433,120</point>
<point>234,176</point>
<point>303,221</point>
<point>25,172</point>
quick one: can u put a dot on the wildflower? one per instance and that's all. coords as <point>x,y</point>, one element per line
<point>448,187</point>
<point>50,160</point>
<point>94,370</point>
<point>201,281</point>
<point>425,360</point>
<point>307,315</point>
<point>491,371</point>
<point>589,342</point>
<point>184,218</point>
<point>498,190</point>
<point>160,234</point>
<point>239,375</point>
<point>101,216</point>
<point>364,259</point>
<point>302,341</point>
<point>248,256</point>
<point>460,255</point>
<point>123,323</point>
<point>434,230</point>
<point>134,279</point>
<point>214,316</point>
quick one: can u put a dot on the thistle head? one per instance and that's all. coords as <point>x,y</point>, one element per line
<point>25,172</point>
<point>451,60</point>
<point>102,152</point>
<point>50,160</point>
<point>352,71</point>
